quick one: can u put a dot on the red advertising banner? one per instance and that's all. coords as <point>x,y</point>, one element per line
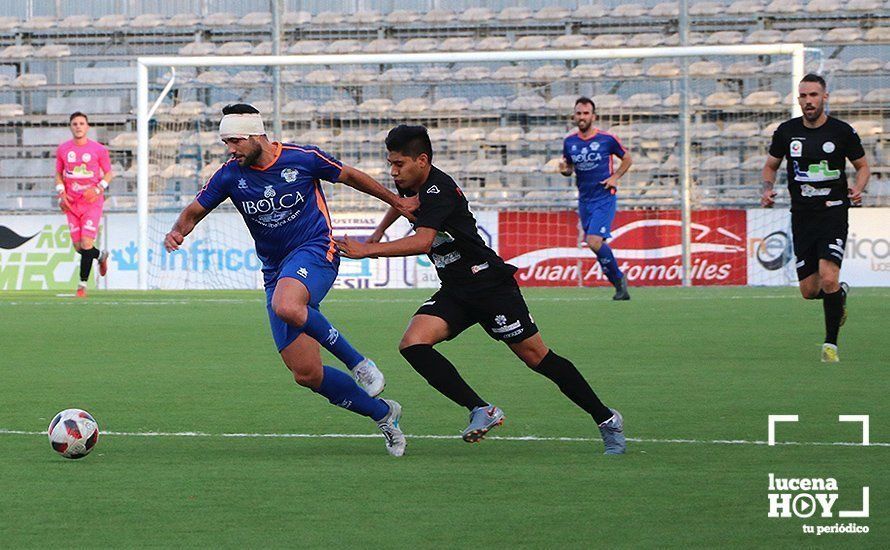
<point>646,243</point>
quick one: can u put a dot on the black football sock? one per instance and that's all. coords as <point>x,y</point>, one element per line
<point>561,371</point>
<point>86,262</point>
<point>833,306</point>
<point>441,374</point>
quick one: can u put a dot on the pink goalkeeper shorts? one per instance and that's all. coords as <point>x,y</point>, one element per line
<point>83,218</point>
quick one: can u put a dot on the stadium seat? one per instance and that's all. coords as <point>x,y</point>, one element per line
<point>745,7</point>
<point>705,130</point>
<point>628,11</point>
<point>166,140</point>
<point>506,134</point>
<point>570,41</point>
<point>5,80</point>
<point>458,44</point>
<point>179,171</point>
<point>475,15</point>
<point>643,101</point>
<point>665,9</point>
<point>590,12</point>
<point>844,96</point>
<point>823,6</point>
<point>322,76</point>
<point>124,140</point>
<point>867,128</point>
<point>722,99</point>
<point>382,45</point>
<point>488,103</point>
<point>473,72</point>
<point>467,134</point>
<point>412,105</point>
<point>514,14</point>
<point>783,7</point>
<point>706,8</point>
<point>450,105</point>
<point>11,110</point>
<point>705,68</point>
<point>745,67</point>
<point>528,103</point>
<point>511,72</point>
<point>552,166</point>
<point>214,77</point>
<point>625,69</point>
<point>806,36</point>
<point>663,69</point>
<point>401,17</point>
<point>542,134</point>
<point>532,42</point>
<point>17,52</point>
<point>420,45</point>
<point>484,166</point>
<point>879,95</point>
<point>548,73</point>
<point>865,6</point>
<point>878,34</point>
<point>249,77</point>
<point>356,135</point>
<point>673,100</point>
<point>376,170</point>
<point>376,106</point>
<point>7,23</point>
<point>766,36</point>
<point>724,38</point>
<point>552,13</point>
<point>147,21</point>
<point>762,99</point>
<point>494,43</point>
<point>307,47</point>
<point>234,48</point>
<point>608,41</point>
<point>345,45</point>
<point>844,35</point>
<point>337,106</point>
<point>720,163</point>
<point>327,18</point>
<point>588,70</point>
<point>188,109</point>
<point>111,21</point>
<point>298,107</point>
<point>29,80</point>
<point>317,137</point>
<point>741,130</point>
<point>399,74</point>
<point>435,74</point>
<point>53,51</point>
<point>362,76</point>
<point>527,165</point>
<point>74,22</point>
<point>39,23</point>
<point>864,65</point>
<point>367,17</point>
<point>436,16</point>
<point>646,40</point>
<point>755,162</point>
<point>182,20</point>
<point>198,48</point>
<point>263,48</point>
<point>607,101</point>
<point>219,19</point>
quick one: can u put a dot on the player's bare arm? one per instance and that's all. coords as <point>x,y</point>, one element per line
<point>64,202</point>
<point>419,243</point>
<point>388,219</point>
<point>863,173</point>
<point>768,176</point>
<point>361,181</point>
<point>188,219</point>
<point>566,168</point>
<point>612,181</point>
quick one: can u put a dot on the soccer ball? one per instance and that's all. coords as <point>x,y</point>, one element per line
<point>73,433</point>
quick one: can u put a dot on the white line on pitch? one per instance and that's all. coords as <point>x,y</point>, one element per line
<point>496,437</point>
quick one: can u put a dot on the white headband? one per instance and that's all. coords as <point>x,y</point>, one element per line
<point>241,126</point>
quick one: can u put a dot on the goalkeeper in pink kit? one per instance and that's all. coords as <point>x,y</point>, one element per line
<point>83,172</point>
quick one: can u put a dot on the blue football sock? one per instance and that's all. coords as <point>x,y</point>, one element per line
<point>320,329</point>
<point>609,264</point>
<point>341,390</point>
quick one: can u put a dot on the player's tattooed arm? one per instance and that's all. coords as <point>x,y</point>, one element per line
<point>360,181</point>
<point>863,172</point>
<point>770,169</point>
<point>419,243</point>
<point>188,219</point>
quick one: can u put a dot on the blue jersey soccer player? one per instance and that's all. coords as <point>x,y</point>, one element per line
<point>588,153</point>
<point>276,188</point>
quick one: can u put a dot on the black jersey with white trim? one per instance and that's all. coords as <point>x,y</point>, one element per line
<point>816,160</point>
<point>458,252</point>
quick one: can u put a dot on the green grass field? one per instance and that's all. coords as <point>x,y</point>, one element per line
<point>698,365</point>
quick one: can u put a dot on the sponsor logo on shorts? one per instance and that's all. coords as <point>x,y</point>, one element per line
<point>477,268</point>
<point>429,303</point>
<point>507,328</point>
<point>501,320</point>
<point>829,204</point>
<point>442,261</point>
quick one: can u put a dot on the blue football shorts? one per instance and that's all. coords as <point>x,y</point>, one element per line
<point>597,216</point>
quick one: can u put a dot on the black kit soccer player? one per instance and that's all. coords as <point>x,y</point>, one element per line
<point>816,147</point>
<point>477,288</point>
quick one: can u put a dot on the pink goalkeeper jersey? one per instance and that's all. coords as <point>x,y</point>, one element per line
<point>81,166</point>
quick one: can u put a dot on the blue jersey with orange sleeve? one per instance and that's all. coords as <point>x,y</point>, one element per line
<point>281,203</point>
<point>592,159</point>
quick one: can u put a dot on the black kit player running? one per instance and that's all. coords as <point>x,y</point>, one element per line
<point>816,148</point>
<point>477,288</point>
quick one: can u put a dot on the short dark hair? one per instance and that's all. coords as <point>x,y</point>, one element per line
<point>411,141</point>
<point>76,114</point>
<point>584,100</point>
<point>240,109</point>
<point>812,77</point>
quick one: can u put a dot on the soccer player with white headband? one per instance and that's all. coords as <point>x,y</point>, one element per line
<point>276,188</point>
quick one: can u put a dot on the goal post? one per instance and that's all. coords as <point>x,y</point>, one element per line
<point>146,105</point>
